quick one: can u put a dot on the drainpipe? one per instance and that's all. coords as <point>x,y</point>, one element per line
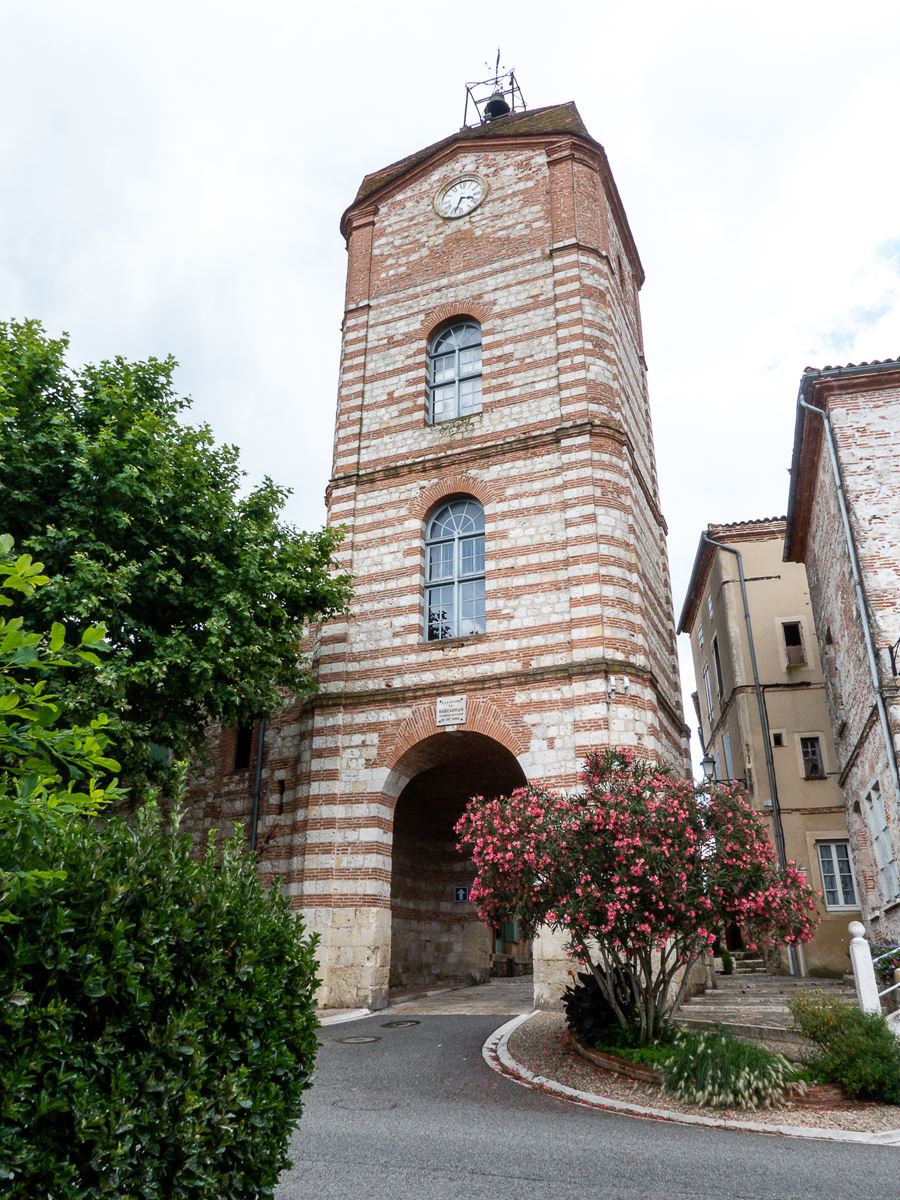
<point>257,787</point>
<point>861,605</point>
<point>777,826</point>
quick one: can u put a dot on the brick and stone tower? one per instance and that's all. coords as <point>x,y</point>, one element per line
<point>494,468</point>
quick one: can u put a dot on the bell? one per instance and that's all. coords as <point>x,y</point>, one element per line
<point>495,107</point>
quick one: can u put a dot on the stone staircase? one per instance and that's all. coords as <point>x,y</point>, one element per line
<point>753,1006</point>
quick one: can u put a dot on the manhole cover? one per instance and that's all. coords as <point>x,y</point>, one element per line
<point>357,1041</point>
<point>397,1024</point>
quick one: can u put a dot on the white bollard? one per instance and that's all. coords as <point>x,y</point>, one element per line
<point>863,969</point>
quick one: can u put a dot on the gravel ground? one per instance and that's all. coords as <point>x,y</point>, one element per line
<point>537,1045</point>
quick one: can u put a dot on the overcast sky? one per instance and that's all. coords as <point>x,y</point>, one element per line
<point>172,176</point>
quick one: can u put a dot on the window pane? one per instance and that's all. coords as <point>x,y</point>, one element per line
<point>470,361</point>
<point>443,368</point>
<point>440,561</point>
<point>470,396</point>
<point>471,607</point>
<point>845,874</point>
<point>443,524</point>
<point>471,556</point>
<point>443,402</point>
<point>440,613</point>
<point>468,335</point>
<point>445,341</point>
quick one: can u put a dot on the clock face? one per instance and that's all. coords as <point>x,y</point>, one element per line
<point>461,196</point>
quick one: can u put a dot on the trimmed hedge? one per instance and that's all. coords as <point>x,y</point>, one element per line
<point>157,1029</point>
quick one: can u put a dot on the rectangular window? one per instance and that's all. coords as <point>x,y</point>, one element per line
<point>726,754</point>
<point>708,687</point>
<point>720,687</point>
<point>709,606</point>
<point>700,635</point>
<point>243,739</point>
<point>813,766</point>
<point>837,874</point>
<point>884,849</point>
<point>793,643</point>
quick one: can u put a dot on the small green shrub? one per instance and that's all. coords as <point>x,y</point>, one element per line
<point>855,1049</point>
<point>653,1054</point>
<point>157,1029</point>
<point>727,963</point>
<point>716,1070</point>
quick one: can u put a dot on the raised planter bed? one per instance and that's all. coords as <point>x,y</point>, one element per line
<point>820,1096</point>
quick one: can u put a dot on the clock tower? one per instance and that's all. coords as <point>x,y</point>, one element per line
<point>494,469</point>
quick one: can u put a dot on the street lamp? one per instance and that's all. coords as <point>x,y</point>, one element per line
<point>708,763</point>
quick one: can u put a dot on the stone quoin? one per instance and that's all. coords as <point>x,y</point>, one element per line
<point>494,468</point>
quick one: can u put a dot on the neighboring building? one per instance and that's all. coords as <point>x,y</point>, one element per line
<point>790,672</point>
<point>494,467</point>
<point>854,579</point>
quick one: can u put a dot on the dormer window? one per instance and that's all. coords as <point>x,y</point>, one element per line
<point>454,372</point>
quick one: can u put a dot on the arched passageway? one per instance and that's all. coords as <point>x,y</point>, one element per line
<point>436,936</point>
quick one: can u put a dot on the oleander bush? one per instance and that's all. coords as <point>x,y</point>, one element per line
<point>855,1049</point>
<point>714,1069</point>
<point>157,1030</point>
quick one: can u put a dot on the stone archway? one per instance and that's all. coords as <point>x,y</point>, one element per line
<point>435,937</point>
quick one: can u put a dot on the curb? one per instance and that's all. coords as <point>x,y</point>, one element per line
<point>495,1052</point>
<point>353,1015</point>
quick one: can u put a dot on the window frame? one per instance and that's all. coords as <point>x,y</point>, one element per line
<point>709,696</point>
<point>818,757</point>
<point>717,664</point>
<point>458,577</point>
<point>842,904</point>
<point>794,652</point>
<point>460,376</point>
<point>882,844</point>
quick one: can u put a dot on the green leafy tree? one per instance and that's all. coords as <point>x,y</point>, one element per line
<point>138,516</point>
<point>50,771</point>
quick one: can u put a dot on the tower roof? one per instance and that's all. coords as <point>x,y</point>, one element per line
<point>556,120</point>
<point>539,122</point>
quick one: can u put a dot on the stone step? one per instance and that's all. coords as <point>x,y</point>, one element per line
<point>781,1041</point>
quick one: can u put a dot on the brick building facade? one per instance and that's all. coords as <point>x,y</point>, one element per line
<point>850,450</point>
<point>494,468</point>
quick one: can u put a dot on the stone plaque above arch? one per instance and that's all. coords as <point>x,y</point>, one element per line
<point>482,716</point>
<point>446,312</point>
<point>451,485</point>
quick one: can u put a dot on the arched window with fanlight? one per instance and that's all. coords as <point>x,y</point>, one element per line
<point>454,372</point>
<point>454,570</point>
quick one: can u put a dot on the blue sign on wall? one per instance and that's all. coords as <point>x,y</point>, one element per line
<point>461,895</point>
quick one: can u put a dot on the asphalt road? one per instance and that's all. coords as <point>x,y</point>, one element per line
<point>417,1115</point>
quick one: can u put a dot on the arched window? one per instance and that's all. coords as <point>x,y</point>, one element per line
<point>454,571</point>
<point>454,372</point>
